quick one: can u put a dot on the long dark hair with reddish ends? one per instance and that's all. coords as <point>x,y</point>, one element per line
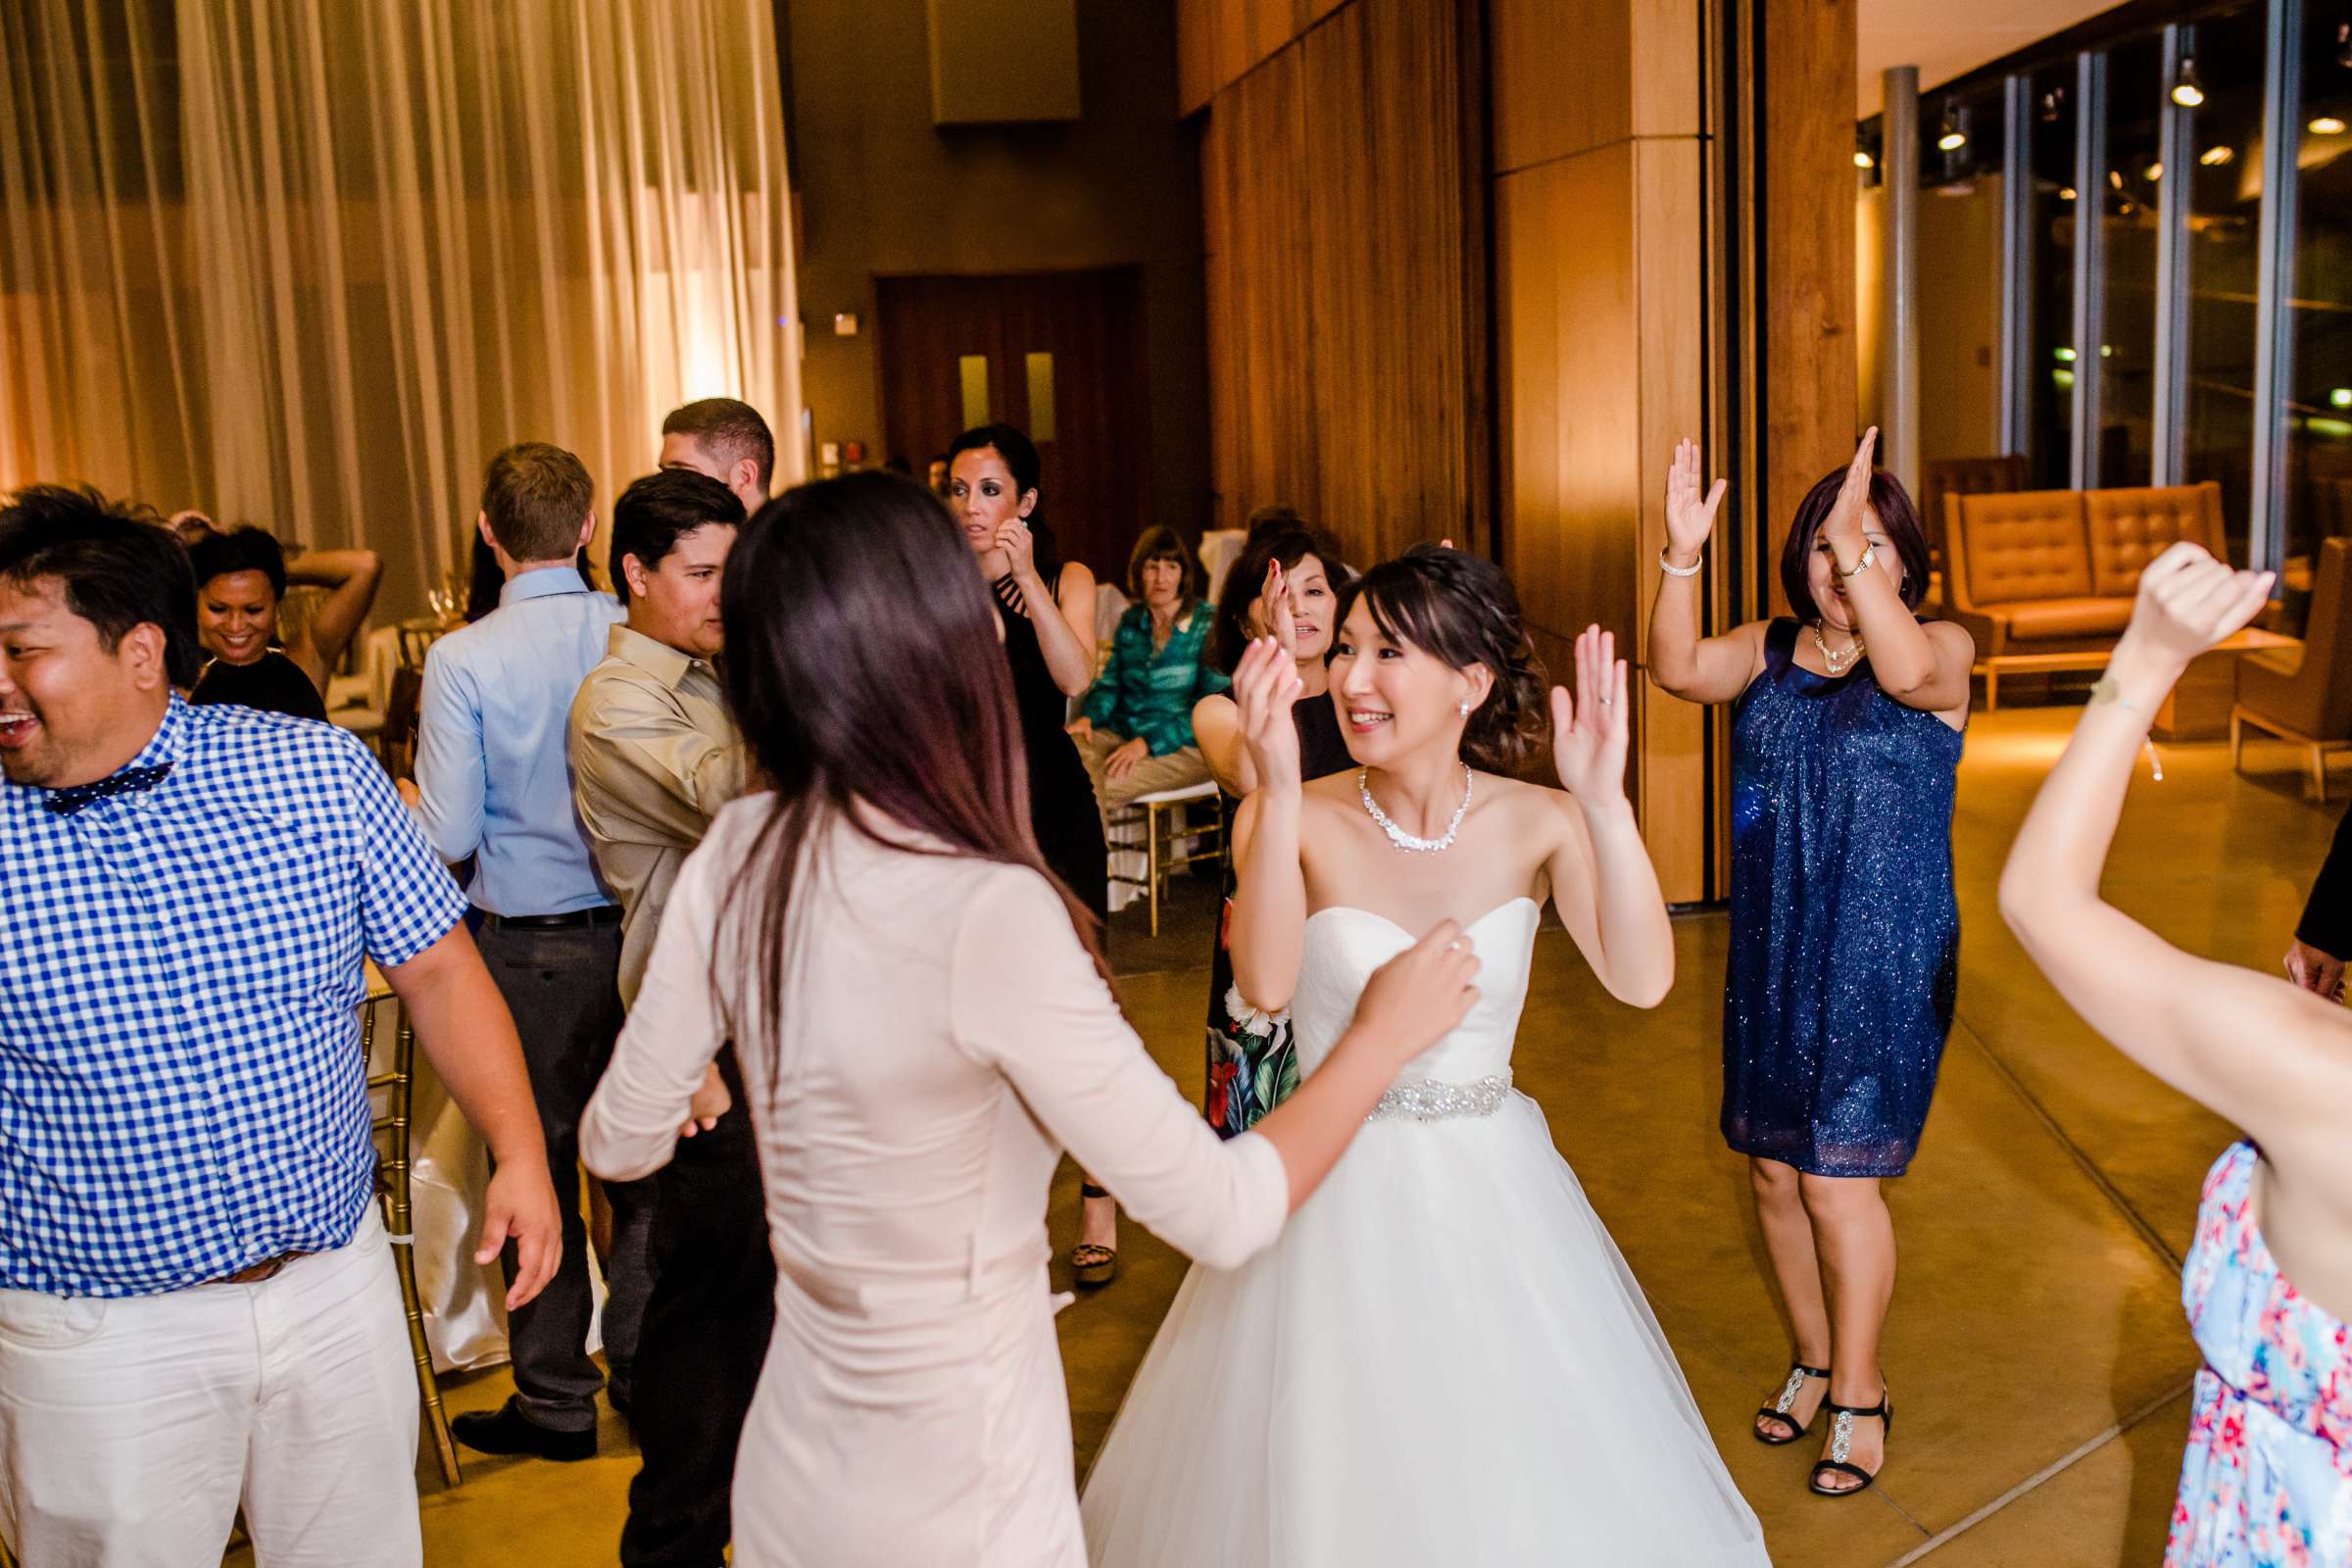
<point>1898,520</point>
<point>861,703</point>
<point>1460,609</point>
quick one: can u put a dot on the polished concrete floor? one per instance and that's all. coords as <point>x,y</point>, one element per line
<point>2036,1349</point>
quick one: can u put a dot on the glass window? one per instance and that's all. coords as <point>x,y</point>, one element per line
<point>1960,276</point>
<point>2050,264</point>
<point>2127,205</point>
<point>2224,211</point>
<point>2319,312</point>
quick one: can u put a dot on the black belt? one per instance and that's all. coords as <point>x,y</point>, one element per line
<point>577,920</point>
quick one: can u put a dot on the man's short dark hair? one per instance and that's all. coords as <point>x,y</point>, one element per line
<point>244,548</point>
<point>732,430</point>
<point>119,568</point>
<point>536,496</point>
<point>658,510</point>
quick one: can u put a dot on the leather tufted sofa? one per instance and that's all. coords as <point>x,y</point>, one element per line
<point>2032,572</point>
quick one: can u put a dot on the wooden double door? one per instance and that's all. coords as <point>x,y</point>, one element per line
<point>1060,355</point>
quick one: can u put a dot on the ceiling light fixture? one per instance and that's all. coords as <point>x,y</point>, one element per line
<point>2067,195</point>
<point>2187,91</point>
<point>2327,125</point>
<point>1954,137</point>
<point>2215,157</point>
<point>1863,160</point>
<point>2154,171</point>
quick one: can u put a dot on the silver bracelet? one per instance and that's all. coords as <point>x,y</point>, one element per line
<point>1673,570</point>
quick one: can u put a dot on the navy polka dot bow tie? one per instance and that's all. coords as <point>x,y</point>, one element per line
<point>131,780</point>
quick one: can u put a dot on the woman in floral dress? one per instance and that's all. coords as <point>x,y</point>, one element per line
<point>2267,1480</point>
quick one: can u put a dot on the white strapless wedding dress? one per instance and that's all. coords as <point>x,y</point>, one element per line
<point>1443,1361</point>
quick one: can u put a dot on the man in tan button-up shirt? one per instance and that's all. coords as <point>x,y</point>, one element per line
<point>653,756</point>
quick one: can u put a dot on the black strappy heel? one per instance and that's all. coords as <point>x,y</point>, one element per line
<point>1841,1438</point>
<point>1784,1402</point>
<point>1090,1264</point>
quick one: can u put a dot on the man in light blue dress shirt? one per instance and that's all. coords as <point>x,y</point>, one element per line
<point>493,784</point>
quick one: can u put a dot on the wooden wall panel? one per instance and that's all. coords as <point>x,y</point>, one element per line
<point>1670,291</point>
<point>1562,75</point>
<point>1255,178</point>
<point>1567,365</point>
<point>1805,312</point>
<point>1196,53</point>
<point>1341,302</point>
<point>1602,346</point>
<point>1386,227</point>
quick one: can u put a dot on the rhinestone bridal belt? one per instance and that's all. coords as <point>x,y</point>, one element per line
<point>1427,1100</point>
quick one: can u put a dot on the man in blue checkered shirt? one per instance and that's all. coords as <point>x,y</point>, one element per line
<point>196,1304</point>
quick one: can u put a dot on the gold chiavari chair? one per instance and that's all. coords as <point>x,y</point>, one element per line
<point>396,1082</point>
<point>1162,817</point>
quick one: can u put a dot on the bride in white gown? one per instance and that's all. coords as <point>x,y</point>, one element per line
<point>1445,1360</point>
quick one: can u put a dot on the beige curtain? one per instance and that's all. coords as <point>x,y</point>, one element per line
<point>309,263</point>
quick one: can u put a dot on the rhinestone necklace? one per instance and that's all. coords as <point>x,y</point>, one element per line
<point>1399,836</point>
<point>1837,662</point>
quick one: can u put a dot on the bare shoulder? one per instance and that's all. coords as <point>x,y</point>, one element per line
<point>1077,577</point>
<point>1950,639</point>
<point>1331,792</point>
<point>1528,809</point>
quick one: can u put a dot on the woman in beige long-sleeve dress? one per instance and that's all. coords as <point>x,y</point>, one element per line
<point>923,1026</point>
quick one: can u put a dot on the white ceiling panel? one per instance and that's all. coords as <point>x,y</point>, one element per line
<point>1949,38</point>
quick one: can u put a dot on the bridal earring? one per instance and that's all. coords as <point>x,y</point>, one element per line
<point>1462,709</point>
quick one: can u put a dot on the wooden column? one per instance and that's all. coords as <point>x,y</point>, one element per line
<point>1601,249</point>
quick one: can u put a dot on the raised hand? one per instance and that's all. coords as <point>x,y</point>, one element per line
<point>1020,550</point>
<point>1845,522</point>
<point>1422,995</point>
<point>1265,686</point>
<point>1688,520</point>
<point>1589,728</point>
<point>1275,600</point>
<point>2188,602</point>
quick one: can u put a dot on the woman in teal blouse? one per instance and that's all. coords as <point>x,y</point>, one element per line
<point>1135,730</point>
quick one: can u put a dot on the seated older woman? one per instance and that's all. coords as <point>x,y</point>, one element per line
<point>1135,730</point>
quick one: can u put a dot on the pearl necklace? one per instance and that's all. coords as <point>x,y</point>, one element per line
<point>1399,836</point>
<point>1837,662</point>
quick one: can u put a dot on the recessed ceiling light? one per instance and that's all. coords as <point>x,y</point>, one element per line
<point>2327,125</point>
<point>2215,157</point>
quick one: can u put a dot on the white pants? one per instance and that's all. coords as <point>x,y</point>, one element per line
<point>131,1430</point>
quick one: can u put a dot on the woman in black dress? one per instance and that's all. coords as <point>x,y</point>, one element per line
<point>241,577</point>
<point>1047,610</point>
<point>1284,586</point>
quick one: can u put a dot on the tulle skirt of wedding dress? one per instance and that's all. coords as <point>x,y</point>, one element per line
<point>1443,1360</point>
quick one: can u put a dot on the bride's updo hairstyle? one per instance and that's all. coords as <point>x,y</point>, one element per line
<point>1461,609</point>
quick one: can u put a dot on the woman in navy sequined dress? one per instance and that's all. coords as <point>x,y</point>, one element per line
<point>1846,935</point>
